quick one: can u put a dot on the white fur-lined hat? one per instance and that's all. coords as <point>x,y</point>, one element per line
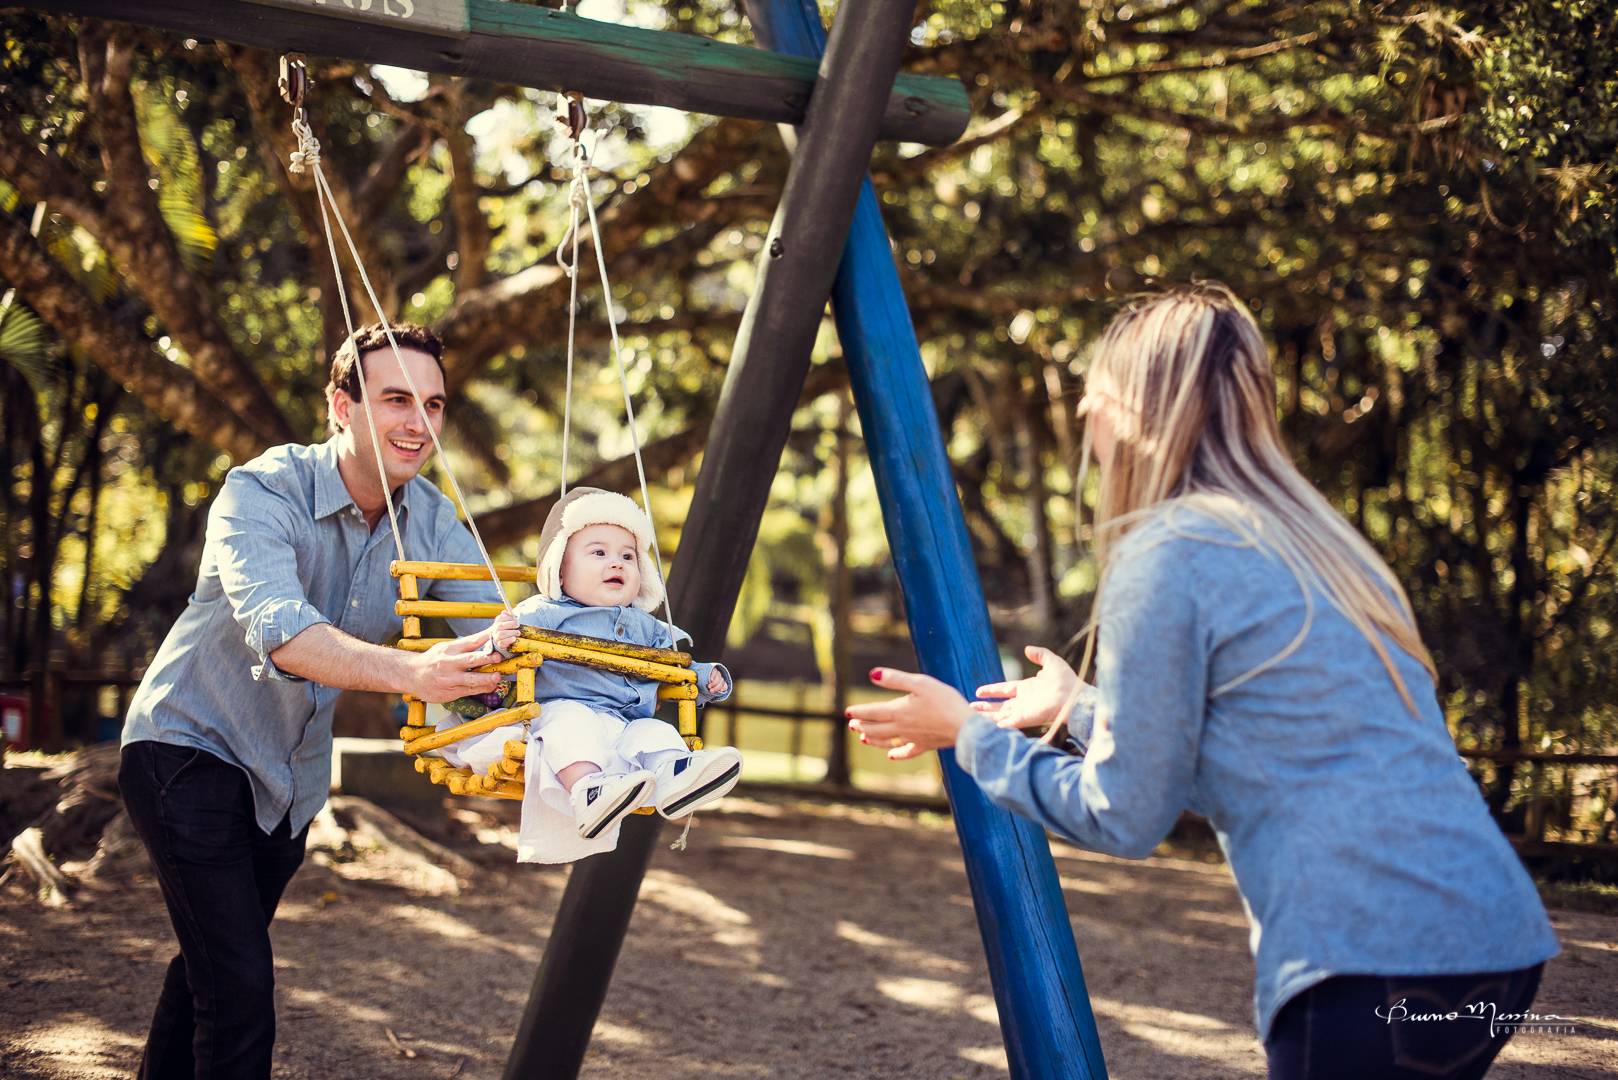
<point>585,506</point>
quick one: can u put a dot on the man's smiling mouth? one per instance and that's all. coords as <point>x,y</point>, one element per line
<point>405,446</point>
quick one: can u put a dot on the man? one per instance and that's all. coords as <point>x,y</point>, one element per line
<point>227,745</point>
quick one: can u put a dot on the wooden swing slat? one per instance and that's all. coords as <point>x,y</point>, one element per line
<point>678,692</point>
<point>482,725</point>
<point>594,656</point>
<point>448,609</point>
<point>672,657</point>
<point>448,571</point>
<point>407,591</point>
<point>597,658</point>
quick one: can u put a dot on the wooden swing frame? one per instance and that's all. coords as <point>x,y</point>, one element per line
<point>506,778</point>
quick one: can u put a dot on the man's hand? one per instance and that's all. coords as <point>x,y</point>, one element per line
<point>716,682</point>
<point>444,672</point>
<point>1037,701</point>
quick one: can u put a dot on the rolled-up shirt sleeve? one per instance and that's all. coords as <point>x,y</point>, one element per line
<point>251,527</point>
<point>1125,794</point>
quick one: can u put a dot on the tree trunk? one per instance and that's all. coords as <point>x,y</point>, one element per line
<point>1041,574</point>
<point>44,558</point>
<point>118,348</point>
<point>840,591</point>
<point>11,409</point>
<point>92,464</point>
<point>1520,642</point>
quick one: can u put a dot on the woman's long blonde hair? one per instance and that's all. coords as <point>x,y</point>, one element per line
<point>1189,390</point>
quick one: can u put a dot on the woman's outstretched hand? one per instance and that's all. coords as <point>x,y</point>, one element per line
<point>1037,701</point>
<point>927,717</point>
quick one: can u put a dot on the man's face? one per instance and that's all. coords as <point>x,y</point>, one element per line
<point>403,434</point>
<point>601,566</point>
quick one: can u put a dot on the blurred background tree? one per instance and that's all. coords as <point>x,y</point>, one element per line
<point>1417,200</point>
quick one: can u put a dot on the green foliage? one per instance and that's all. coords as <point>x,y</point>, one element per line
<point>1548,76</point>
<point>172,154</point>
<point>24,343</point>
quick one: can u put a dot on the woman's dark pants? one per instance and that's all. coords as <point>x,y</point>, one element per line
<point>222,878</point>
<point>1369,1027</point>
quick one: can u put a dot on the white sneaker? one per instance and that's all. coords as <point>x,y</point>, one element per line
<point>688,783</point>
<point>600,801</point>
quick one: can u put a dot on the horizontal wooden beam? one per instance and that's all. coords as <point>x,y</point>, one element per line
<point>552,50</point>
<point>450,571</point>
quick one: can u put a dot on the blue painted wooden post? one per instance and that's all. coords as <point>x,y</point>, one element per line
<point>1039,988</point>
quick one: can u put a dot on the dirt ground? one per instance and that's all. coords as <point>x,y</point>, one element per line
<point>793,939</point>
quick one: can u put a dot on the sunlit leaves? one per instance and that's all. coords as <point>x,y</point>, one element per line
<point>24,342</point>
<point>171,153</point>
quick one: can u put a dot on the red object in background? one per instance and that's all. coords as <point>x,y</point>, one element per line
<point>14,721</point>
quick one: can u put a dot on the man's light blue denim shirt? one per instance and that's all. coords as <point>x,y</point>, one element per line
<point>627,697</point>
<point>1359,842</point>
<point>286,548</point>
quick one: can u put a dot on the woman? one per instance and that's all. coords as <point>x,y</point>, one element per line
<point>1257,663</point>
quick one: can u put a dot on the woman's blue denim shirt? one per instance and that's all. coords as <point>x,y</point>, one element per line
<point>1359,842</point>
<point>625,696</point>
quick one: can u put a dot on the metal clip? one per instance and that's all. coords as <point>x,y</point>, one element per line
<point>574,118</point>
<point>292,83</point>
<point>294,79</point>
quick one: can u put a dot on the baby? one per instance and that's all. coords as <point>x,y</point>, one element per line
<point>601,753</point>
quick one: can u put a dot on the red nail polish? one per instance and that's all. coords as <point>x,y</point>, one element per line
<point>876,674</point>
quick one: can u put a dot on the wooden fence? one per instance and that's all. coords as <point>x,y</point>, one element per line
<point>47,688</point>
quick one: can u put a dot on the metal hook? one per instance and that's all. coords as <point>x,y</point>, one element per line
<point>293,82</point>
<point>574,118</point>
<point>294,79</point>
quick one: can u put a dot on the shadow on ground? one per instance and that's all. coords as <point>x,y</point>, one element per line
<point>793,939</point>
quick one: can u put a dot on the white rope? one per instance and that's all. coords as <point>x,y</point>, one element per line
<point>580,195</point>
<point>577,197</point>
<point>307,156</point>
<point>629,408</point>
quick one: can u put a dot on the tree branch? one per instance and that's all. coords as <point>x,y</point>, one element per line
<point>486,320</point>
<point>388,171</point>
<point>167,389</point>
<point>272,119</point>
<point>471,227</point>
<point>1211,62</point>
<point>140,240</point>
<point>43,177</point>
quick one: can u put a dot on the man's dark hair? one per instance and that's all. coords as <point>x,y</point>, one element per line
<point>347,363</point>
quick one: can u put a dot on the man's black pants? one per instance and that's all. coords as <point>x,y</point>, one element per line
<point>222,878</point>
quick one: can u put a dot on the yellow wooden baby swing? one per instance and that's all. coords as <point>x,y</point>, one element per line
<point>505,778</point>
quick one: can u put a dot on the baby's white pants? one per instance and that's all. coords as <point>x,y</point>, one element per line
<point>567,732</point>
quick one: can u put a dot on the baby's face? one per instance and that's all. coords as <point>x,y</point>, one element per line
<point>601,567</point>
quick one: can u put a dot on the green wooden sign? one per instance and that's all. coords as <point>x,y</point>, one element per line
<point>430,16</point>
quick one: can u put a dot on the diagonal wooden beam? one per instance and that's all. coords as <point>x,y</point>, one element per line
<point>552,50</point>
